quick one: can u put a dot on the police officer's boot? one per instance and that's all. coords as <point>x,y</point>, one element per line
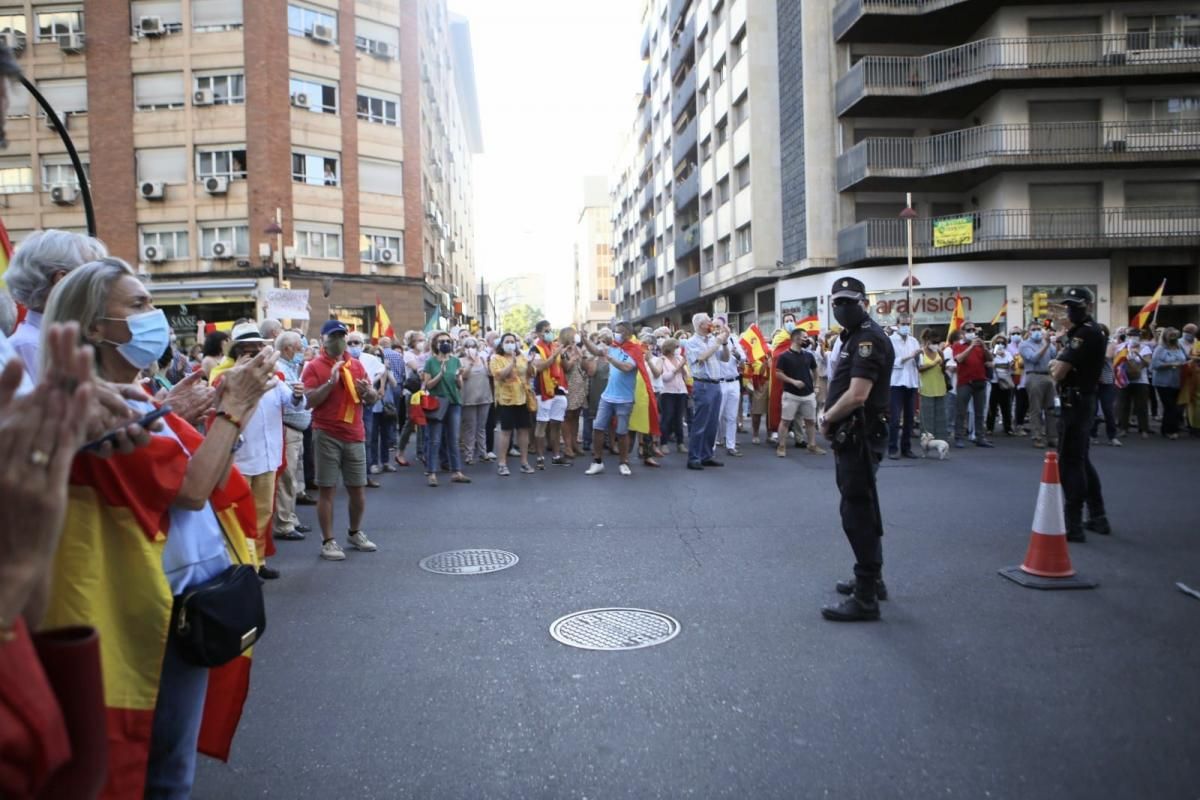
<point>847,587</point>
<point>1099,524</point>
<point>1075,525</point>
<point>861,606</point>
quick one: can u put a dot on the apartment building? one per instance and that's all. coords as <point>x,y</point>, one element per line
<point>594,283</point>
<point>1043,144</point>
<point>225,137</point>
<point>696,193</point>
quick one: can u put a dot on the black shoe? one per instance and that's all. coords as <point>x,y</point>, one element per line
<point>852,609</point>
<point>303,529</point>
<point>910,454</point>
<point>305,500</point>
<point>983,443</point>
<point>1076,535</point>
<point>847,587</point>
<point>695,465</point>
<point>267,573</point>
<point>1099,525</point>
<point>712,462</point>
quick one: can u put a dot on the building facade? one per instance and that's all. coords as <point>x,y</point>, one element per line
<point>223,137</point>
<point>594,283</point>
<point>1043,145</point>
<point>696,195</point>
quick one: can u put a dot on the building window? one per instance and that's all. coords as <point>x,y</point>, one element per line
<point>15,24</point>
<point>382,110</point>
<point>65,96</point>
<point>722,130</point>
<point>1167,114</point>
<point>741,110</point>
<point>318,244</point>
<point>318,97</point>
<point>724,255</point>
<point>737,47</point>
<point>173,245</point>
<point>16,176</point>
<point>741,173</point>
<point>376,38</point>
<point>301,20</point>
<point>718,77</point>
<point>702,97</point>
<point>1163,32</point>
<point>371,245</point>
<point>315,169</point>
<point>718,11</point>
<point>227,89</point>
<point>221,164</point>
<point>706,259</point>
<point>59,26</point>
<point>158,91</point>
<point>56,173</point>
<point>744,242</point>
<point>706,149</point>
<point>722,191</point>
<point>169,13</point>
<point>209,16</point>
<point>166,164</point>
<point>236,235</point>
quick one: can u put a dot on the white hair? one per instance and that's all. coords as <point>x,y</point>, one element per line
<point>8,313</point>
<point>40,256</point>
<point>269,328</point>
<point>699,319</point>
<point>286,339</point>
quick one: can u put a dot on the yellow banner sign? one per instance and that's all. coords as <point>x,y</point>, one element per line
<point>953,231</point>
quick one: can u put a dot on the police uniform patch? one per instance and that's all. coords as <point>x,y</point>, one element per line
<point>864,349</point>
<point>1076,343</point>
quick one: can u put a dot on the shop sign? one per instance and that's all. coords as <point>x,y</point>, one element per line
<point>935,306</point>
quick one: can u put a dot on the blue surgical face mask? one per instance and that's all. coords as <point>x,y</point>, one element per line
<point>149,335</point>
<point>355,351</point>
<point>789,326</point>
<point>298,358</point>
<point>904,330</point>
<point>1036,336</point>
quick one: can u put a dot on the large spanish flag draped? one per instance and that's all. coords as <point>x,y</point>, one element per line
<point>779,345</point>
<point>548,380</point>
<point>956,318</point>
<point>644,418</point>
<point>108,573</point>
<point>1142,318</point>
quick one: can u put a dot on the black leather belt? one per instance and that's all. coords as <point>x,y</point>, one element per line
<point>716,380</point>
<point>1035,372</point>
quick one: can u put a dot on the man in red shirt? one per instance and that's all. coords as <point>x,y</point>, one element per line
<point>973,358</point>
<point>336,386</point>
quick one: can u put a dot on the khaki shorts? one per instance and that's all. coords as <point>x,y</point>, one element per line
<point>793,404</point>
<point>338,458</point>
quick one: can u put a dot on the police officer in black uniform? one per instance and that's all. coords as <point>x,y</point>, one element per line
<point>1077,373</point>
<point>855,423</point>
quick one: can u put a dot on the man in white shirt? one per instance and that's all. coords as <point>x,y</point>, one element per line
<point>729,373</point>
<point>905,382</point>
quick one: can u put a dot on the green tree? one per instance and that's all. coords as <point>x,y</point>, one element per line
<point>520,319</point>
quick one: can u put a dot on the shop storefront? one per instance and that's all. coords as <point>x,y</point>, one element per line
<point>190,306</point>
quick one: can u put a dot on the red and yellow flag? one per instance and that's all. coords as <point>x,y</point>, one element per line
<point>1001,314</point>
<point>809,324</point>
<point>957,318</point>
<point>1142,318</point>
<point>6,250</point>
<point>383,324</point>
<point>754,343</point>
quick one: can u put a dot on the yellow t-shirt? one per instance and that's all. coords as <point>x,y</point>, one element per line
<point>509,392</point>
<point>933,381</point>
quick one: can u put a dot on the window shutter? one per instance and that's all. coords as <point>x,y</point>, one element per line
<point>160,88</point>
<point>381,177</point>
<point>211,13</point>
<point>167,164</point>
<point>171,11</point>
<point>377,31</point>
<point>63,96</point>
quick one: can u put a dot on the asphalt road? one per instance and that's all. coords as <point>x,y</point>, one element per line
<point>379,680</point>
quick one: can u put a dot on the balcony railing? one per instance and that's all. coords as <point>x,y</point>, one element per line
<point>687,241</point>
<point>647,307</point>
<point>675,16</point>
<point>1058,144</point>
<point>682,47</point>
<point>687,190</point>
<point>684,144</point>
<point>849,12</point>
<point>647,197</point>
<point>1016,229</point>
<point>687,290</point>
<point>683,94</point>
<point>648,234</point>
<point>1019,58</point>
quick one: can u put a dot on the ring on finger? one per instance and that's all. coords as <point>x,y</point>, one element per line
<point>39,458</point>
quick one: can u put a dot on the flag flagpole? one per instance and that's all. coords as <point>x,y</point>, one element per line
<point>1161,289</point>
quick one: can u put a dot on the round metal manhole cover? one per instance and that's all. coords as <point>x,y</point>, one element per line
<point>469,562</point>
<point>614,629</point>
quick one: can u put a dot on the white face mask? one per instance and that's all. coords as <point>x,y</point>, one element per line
<point>510,347</point>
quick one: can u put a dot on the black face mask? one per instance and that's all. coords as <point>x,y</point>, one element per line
<point>849,315</point>
<point>1077,314</point>
<point>445,347</point>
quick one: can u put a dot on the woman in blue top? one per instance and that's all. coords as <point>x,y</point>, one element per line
<point>1168,359</point>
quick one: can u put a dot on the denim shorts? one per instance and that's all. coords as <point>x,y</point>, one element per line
<point>607,411</point>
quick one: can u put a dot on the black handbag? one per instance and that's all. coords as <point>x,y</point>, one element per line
<point>217,621</point>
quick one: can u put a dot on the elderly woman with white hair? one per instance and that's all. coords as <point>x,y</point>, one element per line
<point>42,260</point>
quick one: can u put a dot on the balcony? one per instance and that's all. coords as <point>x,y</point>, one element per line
<point>687,290</point>
<point>675,15</point>
<point>957,160</point>
<point>947,82</point>
<point>646,81</point>
<point>687,190</point>
<point>645,269</point>
<point>687,241</point>
<point>648,152</point>
<point>916,21</point>
<point>645,48</point>
<point>648,234</point>
<point>647,120</point>
<point>683,47</point>
<point>647,308</point>
<point>1008,231</point>
<point>683,94</point>
<point>647,197</point>
<point>684,144</point>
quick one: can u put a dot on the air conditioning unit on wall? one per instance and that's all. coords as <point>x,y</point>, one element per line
<point>300,100</point>
<point>387,256</point>
<point>203,97</point>
<point>64,194</point>
<point>152,254</point>
<point>151,26</point>
<point>217,184</point>
<point>153,190</point>
<point>321,33</point>
<point>222,251</point>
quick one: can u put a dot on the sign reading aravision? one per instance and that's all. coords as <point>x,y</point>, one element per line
<point>934,306</point>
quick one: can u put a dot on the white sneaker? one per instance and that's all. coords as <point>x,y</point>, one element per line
<point>332,551</point>
<point>624,469</point>
<point>491,456</point>
<point>1114,442</point>
<point>375,469</point>
<point>596,468</point>
<point>360,541</point>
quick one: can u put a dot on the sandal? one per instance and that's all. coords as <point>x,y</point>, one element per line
<point>431,479</point>
<point>460,478</point>
<point>502,471</point>
<point>650,462</point>
<point>401,460</point>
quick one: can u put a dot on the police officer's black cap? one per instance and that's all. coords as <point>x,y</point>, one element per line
<point>1077,295</point>
<point>849,287</point>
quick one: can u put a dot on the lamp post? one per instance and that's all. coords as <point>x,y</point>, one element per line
<point>908,215</point>
<point>276,228</point>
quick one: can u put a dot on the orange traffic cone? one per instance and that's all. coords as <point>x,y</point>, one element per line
<point>1047,564</point>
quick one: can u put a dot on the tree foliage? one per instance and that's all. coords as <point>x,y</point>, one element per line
<point>520,319</point>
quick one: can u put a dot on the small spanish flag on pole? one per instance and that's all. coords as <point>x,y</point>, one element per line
<point>1001,314</point>
<point>1149,311</point>
<point>957,319</point>
<point>383,324</point>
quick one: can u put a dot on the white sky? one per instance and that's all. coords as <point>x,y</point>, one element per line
<point>557,83</point>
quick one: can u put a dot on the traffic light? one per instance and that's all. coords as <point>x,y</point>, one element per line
<point>474,327</point>
<point>1040,309</point>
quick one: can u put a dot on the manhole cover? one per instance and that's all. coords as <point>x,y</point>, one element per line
<point>469,562</point>
<point>614,629</point>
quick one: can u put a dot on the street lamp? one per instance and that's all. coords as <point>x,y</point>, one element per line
<point>908,215</point>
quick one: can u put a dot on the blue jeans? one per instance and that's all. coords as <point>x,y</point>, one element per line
<point>902,400</point>
<point>369,429</point>
<point>706,397</point>
<point>437,431</point>
<point>608,410</point>
<point>177,714</point>
<point>586,422</point>
<point>379,441</point>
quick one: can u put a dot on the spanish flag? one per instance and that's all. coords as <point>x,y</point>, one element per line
<point>780,345</point>
<point>108,573</point>
<point>957,318</point>
<point>1001,314</point>
<point>644,418</point>
<point>810,324</point>
<point>383,325</point>
<point>6,250</point>
<point>1142,318</point>
<point>754,343</point>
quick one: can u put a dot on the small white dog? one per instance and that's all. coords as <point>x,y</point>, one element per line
<point>938,446</point>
